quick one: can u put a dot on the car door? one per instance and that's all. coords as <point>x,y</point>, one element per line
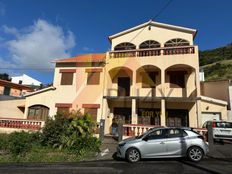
<point>153,144</point>
<point>175,143</point>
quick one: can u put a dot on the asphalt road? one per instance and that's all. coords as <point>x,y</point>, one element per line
<point>160,166</point>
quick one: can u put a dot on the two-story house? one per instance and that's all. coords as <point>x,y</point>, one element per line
<point>149,77</point>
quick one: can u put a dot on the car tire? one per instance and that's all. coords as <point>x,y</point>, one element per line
<point>195,154</point>
<point>133,155</point>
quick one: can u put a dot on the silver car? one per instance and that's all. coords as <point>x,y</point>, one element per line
<point>164,143</point>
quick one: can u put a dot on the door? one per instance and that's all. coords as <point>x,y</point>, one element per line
<point>176,144</point>
<point>208,116</point>
<point>124,86</point>
<point>154,144</point>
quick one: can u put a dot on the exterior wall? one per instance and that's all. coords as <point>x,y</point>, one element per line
<point>214,108</point>
<point>158,34</point>
<point>26,80</point>
<point>216,89</point>
<point>184,62</point>
<point>47,98</point>
<point>9,108</point>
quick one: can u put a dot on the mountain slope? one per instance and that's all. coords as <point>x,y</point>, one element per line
<point>217,63</point>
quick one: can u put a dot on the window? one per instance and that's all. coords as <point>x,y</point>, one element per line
<point>176,42</point>
<point>157,134</point>
<point>176,133</point>
<point>93,78</point>
<point>6,90</point>
<point>148,79</point>
<point>38,112</point>
<point>125,46</point>
<point>92,112</point>
<point>62,110</point>
<point>177,79</point>
<point>149,44</point>
<point>66,78</point>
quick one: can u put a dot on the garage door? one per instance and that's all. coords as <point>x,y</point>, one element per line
<point>206,116</point>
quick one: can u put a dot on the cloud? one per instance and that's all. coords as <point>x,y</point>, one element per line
<point>87,49</point>
<point>37,45</point>
<point>2,9</point>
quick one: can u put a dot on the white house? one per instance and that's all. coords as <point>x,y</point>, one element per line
<point>25,80</point>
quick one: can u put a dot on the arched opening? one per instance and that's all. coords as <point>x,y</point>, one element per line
<point>122,76</point>
<point>125,46</point>
<point>38,112</point>
<point>149,44</point>
<point>176,42</point>
<point>149,76</point>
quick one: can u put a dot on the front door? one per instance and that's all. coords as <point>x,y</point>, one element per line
<point>124,86</point>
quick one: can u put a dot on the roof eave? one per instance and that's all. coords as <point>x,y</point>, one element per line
<point>188,30</point>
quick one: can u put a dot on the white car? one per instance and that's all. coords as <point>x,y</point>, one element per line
<point>222,130</point>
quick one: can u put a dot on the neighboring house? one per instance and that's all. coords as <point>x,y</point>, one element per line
<point>150,77</point>
<point>25,80</point>
<point>8,88</point>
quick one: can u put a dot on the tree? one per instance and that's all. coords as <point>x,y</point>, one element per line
<point>5,76</point>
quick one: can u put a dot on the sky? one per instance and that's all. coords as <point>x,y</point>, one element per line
<point>33,33</point>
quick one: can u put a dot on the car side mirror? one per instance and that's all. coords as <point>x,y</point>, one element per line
<point>145,138</point>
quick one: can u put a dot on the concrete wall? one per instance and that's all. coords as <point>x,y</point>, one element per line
<point>9,108</point>
<point>216,89</point>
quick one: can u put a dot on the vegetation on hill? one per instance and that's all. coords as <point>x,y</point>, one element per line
<point>217,63</point>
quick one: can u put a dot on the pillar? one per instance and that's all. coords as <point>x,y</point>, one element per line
<point>134,116</point>
<point>163,113</point>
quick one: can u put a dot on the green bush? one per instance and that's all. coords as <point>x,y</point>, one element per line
<point>4,138</point>
<point>72,131</point>
<point>21,142</point>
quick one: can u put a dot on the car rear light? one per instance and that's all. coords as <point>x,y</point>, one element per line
<point>214,125</point>
<point>201,137</point>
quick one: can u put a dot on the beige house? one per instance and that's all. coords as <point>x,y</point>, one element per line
<point>150,77</point>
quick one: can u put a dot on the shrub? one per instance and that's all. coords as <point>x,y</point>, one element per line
<point>21,142</point>
<point>4,138</point>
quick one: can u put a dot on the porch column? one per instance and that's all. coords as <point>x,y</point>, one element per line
<point>163,113</point>
<point>162,83</point>
<point>198,111</point>
<point>134,116</point>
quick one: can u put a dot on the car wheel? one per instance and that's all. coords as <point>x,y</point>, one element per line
<point>133,155</point>
<point>195,153</point>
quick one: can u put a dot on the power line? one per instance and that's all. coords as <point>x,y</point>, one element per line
<point>162,9</point>
<point>159,13</point>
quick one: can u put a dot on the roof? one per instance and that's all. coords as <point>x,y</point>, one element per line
<point>157,24</point>
<point>40,91</point>
<point>98,57</point>
<point>15,85</point>
<point>212,100</point>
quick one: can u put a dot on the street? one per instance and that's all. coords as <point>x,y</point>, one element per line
<point>207,165</point>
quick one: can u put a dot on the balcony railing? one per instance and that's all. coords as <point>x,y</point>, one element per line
<point>21,123</point>
<point>152,52</point>
<point>136,129</point>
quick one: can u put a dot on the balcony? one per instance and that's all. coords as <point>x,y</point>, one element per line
<point>152,52</point>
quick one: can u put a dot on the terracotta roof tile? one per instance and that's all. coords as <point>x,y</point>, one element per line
<point>85,58</point>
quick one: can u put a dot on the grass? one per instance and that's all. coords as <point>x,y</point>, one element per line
<point>220,70</point>
<point>46,154</point>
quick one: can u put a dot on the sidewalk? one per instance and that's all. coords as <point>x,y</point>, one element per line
<point>223,151</point>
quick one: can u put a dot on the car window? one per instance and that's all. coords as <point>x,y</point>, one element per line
<point>175,133</point>
<point>223,125</point>
<point>157,134</point>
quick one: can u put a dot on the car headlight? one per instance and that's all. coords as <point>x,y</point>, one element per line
<point>121,144</point>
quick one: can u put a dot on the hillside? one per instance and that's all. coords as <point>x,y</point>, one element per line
<point>217,63</point>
